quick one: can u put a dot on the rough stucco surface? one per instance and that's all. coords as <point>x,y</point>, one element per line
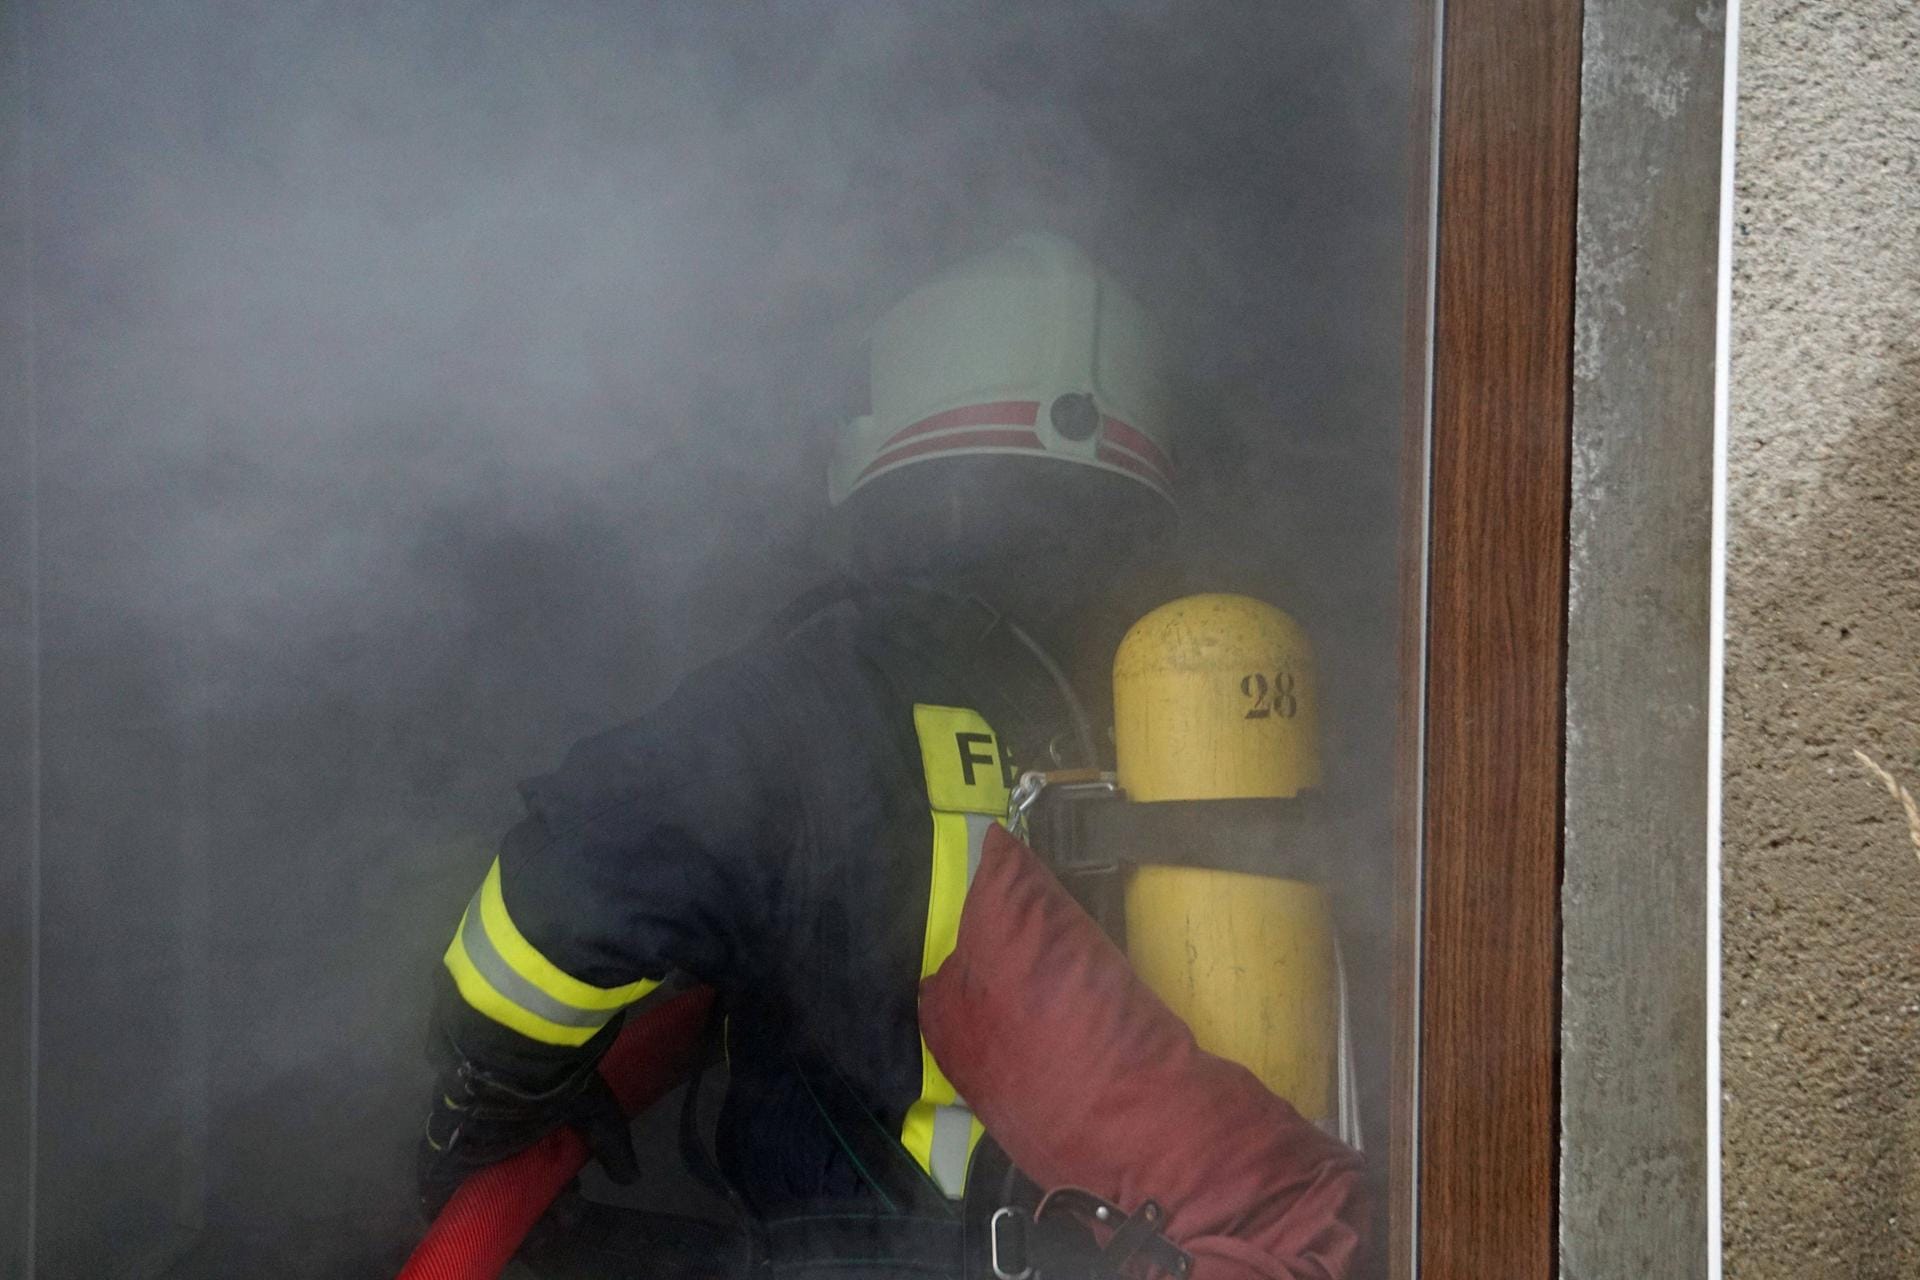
<point>1821,1048</point>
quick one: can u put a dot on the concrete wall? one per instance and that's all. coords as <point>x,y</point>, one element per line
<point>1633,1062</point>
<point>1822,888</point>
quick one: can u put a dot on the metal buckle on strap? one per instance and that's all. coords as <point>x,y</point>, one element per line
<point>1016,1255</point>
<point>1035,781</point>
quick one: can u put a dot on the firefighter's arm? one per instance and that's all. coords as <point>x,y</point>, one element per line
<point>640,858</point>
<point>478,1116</point>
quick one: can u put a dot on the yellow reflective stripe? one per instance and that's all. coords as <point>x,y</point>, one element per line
<point>947,892</point>
<point>960,755</point>
<point>501,975</point>
<point>521,956</point>
<point>479,993</point>
<point>954,835</point>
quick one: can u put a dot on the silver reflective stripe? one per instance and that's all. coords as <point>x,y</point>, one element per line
<point>501,976</point>
<point>952,1136</point>
<point>977,824</point>
<point>1347,1128</point>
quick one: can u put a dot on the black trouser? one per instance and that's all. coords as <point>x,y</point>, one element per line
<point>866,1247</point>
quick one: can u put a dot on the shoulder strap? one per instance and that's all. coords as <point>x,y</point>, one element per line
<point>986,662</point>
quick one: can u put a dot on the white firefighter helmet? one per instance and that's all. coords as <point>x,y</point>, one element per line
<point>1030,351</point>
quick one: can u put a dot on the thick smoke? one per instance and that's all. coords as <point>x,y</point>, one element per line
<point>421,386</point>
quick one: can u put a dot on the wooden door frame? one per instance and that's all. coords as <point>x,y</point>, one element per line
<point>1554,1067</point>
<point>1476,1156</point>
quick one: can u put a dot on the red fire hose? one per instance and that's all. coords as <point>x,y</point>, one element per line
<point>482,1226</point>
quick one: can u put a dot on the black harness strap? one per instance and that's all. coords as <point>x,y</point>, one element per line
<point>1062,1241</point>
<point>902,1185</point>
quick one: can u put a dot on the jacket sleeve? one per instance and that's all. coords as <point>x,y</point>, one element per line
<point>653,850</point>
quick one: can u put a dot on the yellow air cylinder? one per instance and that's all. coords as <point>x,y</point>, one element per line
<point>1214,700</point>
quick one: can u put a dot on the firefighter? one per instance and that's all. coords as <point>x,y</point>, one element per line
<point>794,825</point>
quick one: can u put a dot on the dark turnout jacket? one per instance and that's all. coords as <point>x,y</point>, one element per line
<point>785,828</point>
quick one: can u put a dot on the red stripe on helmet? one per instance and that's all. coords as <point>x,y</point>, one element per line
<point>1137,466</point>
<point>999,413</point>
<point>1137,442</point>
<point>1006,438</point>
